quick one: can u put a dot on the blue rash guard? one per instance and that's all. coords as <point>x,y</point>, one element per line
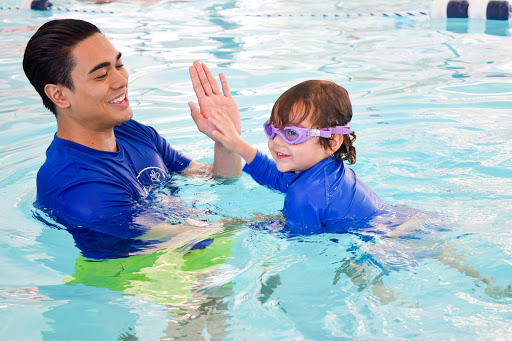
<point>320,198</point>
<point>84,187</point>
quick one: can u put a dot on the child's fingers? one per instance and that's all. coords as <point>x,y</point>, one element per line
<point>217,135</point>
<point>222,123</point>
<point>223,139</point>
<point>226,140</point>
<point>218,121</point>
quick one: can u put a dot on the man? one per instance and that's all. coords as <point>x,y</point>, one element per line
<point>101,162</point>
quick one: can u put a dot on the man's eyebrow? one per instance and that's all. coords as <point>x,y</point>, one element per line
<point>104,64</point>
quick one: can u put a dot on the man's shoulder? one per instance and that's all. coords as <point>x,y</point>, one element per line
<point>59,155</point>
<point>60,167</point>
<point>56,172</point>
<point>67,161</point>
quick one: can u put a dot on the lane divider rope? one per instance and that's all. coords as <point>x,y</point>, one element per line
<point>334,15</point>
<point>60,9</point>
<point>476,9</point>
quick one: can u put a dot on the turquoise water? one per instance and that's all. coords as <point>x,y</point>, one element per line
<point>432,104</point>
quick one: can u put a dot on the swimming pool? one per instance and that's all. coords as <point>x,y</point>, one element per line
<point>432,103</point>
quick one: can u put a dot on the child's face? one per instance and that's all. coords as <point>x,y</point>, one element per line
<point>298,157</point>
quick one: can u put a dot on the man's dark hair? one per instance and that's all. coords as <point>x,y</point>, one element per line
<point>48,59</point>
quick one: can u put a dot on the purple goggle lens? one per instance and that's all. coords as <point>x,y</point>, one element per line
<point>298,134</point>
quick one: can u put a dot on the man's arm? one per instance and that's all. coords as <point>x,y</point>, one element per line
<point>226,163</point>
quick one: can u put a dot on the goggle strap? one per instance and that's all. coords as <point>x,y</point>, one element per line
<point>344,130</point>
<point>327,132</point>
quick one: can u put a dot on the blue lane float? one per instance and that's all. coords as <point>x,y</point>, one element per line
<point>47,5</point>
<point>41,5</point>
<point>498,10</point>
<point>457,9</point>
<point>472,9</point>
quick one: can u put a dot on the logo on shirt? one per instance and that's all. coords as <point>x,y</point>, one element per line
<point>151,175</point>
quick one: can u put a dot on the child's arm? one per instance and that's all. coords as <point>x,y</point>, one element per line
<point>261,168</point>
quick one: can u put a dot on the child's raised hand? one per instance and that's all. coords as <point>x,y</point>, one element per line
<point>225,132</point>
<point>211,99</point>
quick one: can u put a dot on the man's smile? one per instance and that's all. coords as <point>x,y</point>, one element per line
<point>118,99</point>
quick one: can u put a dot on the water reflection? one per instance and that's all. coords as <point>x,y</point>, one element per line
<point>175,272</point>
<point>463,26</point>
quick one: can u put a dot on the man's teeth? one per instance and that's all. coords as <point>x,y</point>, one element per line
<point>280,154</point>
<point>118,99</point>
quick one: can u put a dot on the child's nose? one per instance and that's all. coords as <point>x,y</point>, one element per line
<point>279,140</point>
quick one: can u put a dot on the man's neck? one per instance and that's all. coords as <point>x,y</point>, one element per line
<point>100,140</point>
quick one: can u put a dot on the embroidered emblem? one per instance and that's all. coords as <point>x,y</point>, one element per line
<point>154,176</point>
<point>151,175</point>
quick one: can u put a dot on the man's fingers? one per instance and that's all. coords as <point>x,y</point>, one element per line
<point>193,108</point>
<point>204,82</point>
<point>211,80</point>
<point>203,78</point>
<point>196,115</point>
<point>225,86</point>
<point>196,82</point>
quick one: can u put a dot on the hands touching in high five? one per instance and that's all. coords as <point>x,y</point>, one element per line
<point>211,99</point>
<point>219,118</point>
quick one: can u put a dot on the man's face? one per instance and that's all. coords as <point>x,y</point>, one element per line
<point>99,100</point>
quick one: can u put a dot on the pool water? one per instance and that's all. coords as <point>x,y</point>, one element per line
<point>432,111</point>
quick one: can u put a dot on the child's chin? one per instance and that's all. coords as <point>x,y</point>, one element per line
<point>284,169</point>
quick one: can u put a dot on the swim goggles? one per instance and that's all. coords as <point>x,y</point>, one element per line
<point>298,134</point>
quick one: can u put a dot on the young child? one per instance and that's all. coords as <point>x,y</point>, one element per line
<point>309,138</point>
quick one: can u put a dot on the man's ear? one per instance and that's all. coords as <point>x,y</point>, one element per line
<point>56,94</point>
<point>335,142</point>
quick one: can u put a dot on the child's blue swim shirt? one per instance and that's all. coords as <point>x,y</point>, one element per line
<point>320,198</point>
